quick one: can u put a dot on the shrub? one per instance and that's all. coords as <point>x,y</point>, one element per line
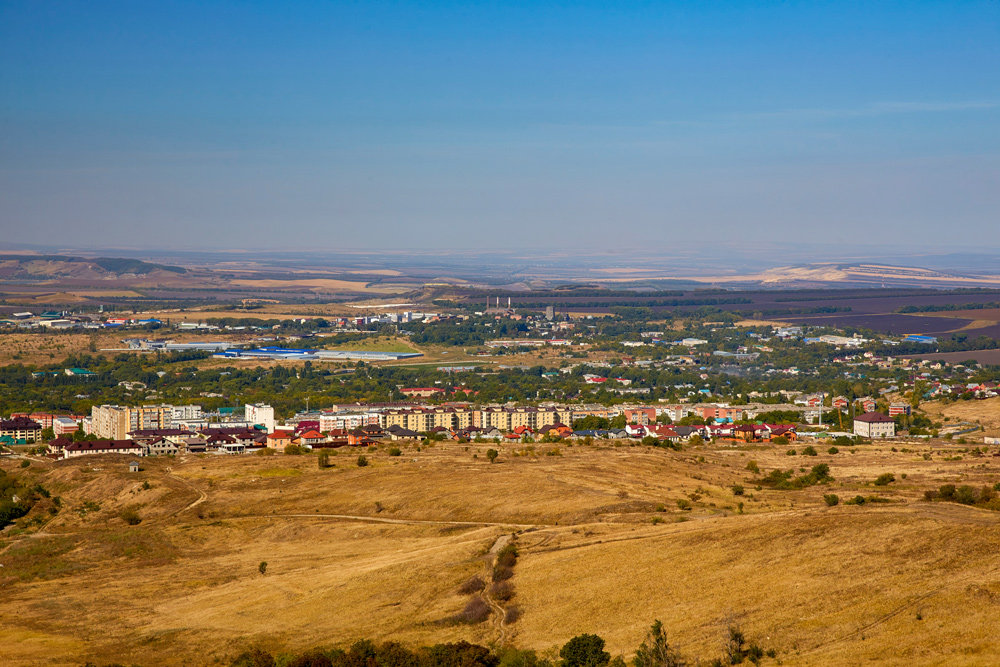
<point>295,450</point>
<point>947,491</point>
<point>753,467</point>
<point>502,573</point>
<point>130,515</point>
<point>833,450</point>
<point>472,585</point>
<point>502,591</point>
<point>930,494</point>
<point>25,463</point>
<point>737,489</point>
<point>507,556</point>
<point>323,460</point>
<point>966,495</point>
<point>809,450</point>
<point>584,651</point>
<point>492,455</point>
<point>885,479</point>
<point>790,452</point>
<point>856,500</point>
<point>511,614</point>
<point>684,504</point>
<point>362,461</point>
<point>831,499</point>
<point>255,657</point>
<point>262,568</point>
<point>395,451</point>
<point>780,440</point>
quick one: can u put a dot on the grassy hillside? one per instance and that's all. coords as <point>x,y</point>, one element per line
<point>606,547</point>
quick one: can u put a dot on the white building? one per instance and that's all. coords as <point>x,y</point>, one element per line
<point>262,415</point>
<point>185,412</point>
<point>874,425</point>
<point>347,421</point>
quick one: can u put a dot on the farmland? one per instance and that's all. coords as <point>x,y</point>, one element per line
<point>381,552</point>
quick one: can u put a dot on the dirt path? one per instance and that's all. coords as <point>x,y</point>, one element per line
<point>415,522</point>
<point>202,496</point>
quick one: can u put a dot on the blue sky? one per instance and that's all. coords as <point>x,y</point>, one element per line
<point>645,125</point>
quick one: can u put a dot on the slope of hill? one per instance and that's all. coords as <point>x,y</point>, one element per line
<point>382,551</point>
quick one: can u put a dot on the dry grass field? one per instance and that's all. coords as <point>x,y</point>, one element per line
<point>380,551</point>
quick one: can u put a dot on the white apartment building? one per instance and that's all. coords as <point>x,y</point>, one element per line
<point>347,421</point>
<point>261,414</point>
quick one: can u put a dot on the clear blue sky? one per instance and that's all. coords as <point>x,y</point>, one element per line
<point>473,124</point>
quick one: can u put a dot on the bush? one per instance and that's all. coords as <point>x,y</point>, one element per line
<point>511,614</point>
<point>502,573</point>
<point>584,651</point>
<point>809,451</point>
<point>507,556</point>
<point>323,460</point>
<point>833,450</point>
<point>492,455</point>
<point>966,495</point>
<point>395,451</point>
<point>780,440</point>
<point>472,585</point>
<point>831,499</point>
<point>502,591</point>
<point>753,467</point>
<point>790,452</point>
<point>476,610</point>
<point>885,479</point>
<point>262,568</point>
<point>130,515</point>
<point>947,491</point>
<point>737,489</point>
<point>684,504</point>
<point>255,657</point>
<point>362,461</point>
<point>295,450</point>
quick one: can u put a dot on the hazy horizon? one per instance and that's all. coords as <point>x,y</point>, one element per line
<point>441,127</point>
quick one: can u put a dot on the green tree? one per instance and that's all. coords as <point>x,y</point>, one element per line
<point>584,651</point>
<point>655,651</point>
<point>492,455</point>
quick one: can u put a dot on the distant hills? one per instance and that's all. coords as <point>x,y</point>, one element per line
<point>41,267</point>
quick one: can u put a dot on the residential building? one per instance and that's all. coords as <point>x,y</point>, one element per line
<point>21,429</point>
<point>347,421</point>
<point>874,425</point>
<point>93,447</point>
<point>115,422</point>
<point>260,414</point>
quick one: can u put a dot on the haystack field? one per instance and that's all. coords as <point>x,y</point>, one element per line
<point>611,536</point>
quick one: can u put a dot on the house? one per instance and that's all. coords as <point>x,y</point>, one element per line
<point>58,445</point>
<point>279,439</point>
<point>161,446</point>
<point>899,409</point>
<point>365,435</point>
<point>133,466</point>
<point>194,444</point>
<point>94,447</point>
<point>310,438</point>
<point>874,425</point>
<point>396,432</point>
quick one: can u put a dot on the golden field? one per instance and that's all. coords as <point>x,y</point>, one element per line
<point>381,551</point>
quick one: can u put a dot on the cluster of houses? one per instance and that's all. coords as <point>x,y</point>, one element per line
<point>306,434</point>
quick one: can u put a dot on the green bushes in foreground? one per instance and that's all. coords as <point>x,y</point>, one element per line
<point>586,650</point>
